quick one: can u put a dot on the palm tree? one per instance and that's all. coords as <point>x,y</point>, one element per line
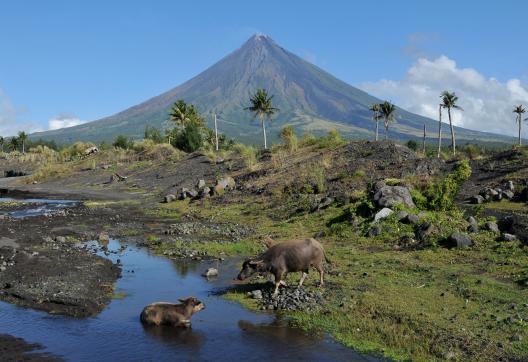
<point>182,114</point>
<point>387,112</point>
<point>2,141</point>
<point>449,101</point>
<point>262,108</point>
<point>519,110</point>
<point>22,137</point>
<point>375,108</point>
<point>439,130</point>
<point>14,143</point>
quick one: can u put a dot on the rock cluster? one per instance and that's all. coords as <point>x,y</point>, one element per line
<point>202,190</point>
<point>292,298</point>
<point>389,196</point>
<point>506,191</point>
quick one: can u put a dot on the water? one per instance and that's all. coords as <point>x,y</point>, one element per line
<point>41,207</point>
<point>224,331</point>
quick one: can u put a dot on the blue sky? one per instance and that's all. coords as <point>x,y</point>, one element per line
<point>69,60</point>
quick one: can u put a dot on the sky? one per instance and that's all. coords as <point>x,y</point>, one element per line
<point>67,62</point>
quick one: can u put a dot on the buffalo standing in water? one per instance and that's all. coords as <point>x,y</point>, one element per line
<point>286,257</point>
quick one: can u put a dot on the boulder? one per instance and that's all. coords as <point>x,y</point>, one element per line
<point>477,199</point>
<point>210,273</point>
<point>325,202</point>
<point>492,226</point>
<point>509,186</point>
<point>227,183</point>
<point>411,219</point>
<point>382,214</point>
<point>104,237</point>
<point>389,196</point>
<point>459,240</point>
<point>508,237</point>
<point>169,198</point>
<point>200,185</point>
<point>374,231</point>
<point>402,215</point>
<point>424,230</point>
<point>507,194</point>
<point>473,228</point>
<point>255,294</point>
<point>204,192</point>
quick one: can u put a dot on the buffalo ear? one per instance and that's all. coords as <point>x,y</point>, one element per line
<point>184,300</point>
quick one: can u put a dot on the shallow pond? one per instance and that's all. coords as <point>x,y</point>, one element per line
<point>35,207</point>
<point>224,331</point>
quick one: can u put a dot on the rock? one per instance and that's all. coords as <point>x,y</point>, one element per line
<point>477,199</point>
<point>516,338</point>
<point>498,194</point>
<point>200,185</point>
<point>227,183</point>
<point>509,186</point>
<point>402,215</point>
<point>382,214</point>
<point>210,273</point>
<point>507,194</point>
<point>411,219</point>
<point>256,294</point>
<point>379,185</point>
<point>459,240</point>
<point>325,202</point>
<point>169,198</point>
<point>492,226</point>
<point>389,196</point>
<point>508,237</point>
<point>374,231</point>
<point>422,231</point>
<point>218,189</point>
<point>104,237</point>
<point>60,239</point>
<point>192,193</point>
<point>473,225</point>
<point>205,192</point>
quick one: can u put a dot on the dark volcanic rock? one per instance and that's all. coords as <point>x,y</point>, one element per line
<point>388,196</point>
<point>459,240</point>
<point>291,298</point>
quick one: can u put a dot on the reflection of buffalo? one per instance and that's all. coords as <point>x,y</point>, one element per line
<point>279,330</point>
<point>177,315</point>
<point>168,334</point>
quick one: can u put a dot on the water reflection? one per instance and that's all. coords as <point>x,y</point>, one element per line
<point>178,336</point>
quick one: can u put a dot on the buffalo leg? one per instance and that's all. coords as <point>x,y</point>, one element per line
<point>304,275</point>
<point>321,273</point>
<point>278,282</point>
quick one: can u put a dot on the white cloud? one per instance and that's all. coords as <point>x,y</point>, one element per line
<point>64,120</point>
<point>487,102</point>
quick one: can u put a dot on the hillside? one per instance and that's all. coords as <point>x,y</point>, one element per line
<point>308,97</point>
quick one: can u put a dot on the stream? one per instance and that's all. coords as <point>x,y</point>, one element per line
<point>224,330</point>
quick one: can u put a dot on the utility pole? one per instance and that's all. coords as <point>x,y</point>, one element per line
<point>216,132</point>
<point>423,142</point>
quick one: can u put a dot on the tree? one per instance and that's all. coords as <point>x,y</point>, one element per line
<point>182,114</point>
<point>154,134</point>
<point>388,114</point>
<point>190,138</point>
<point>123,142</point>
<point>2,141</point>
<point>13,142</point>
<point>449,101</point>
<point>262,108</point>
<point>22,137</point>
<point>375,108</point>
<point>439,130</point>
<point>519,110</point>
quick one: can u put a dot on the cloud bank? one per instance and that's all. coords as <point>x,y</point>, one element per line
<point>487,102</point>
<point>64,120</point>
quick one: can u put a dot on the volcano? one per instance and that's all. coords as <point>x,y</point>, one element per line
<point>309,98</point>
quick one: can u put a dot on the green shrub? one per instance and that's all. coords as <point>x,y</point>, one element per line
<point>412,144</point>
<point>247,153</point>
<point>123,142</point>
<point>153,134</point>
<point>287,134</point>
<point>441,195</point>
<point>189,139</point>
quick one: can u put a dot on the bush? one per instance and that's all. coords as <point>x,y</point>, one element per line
<point>287,134</point>
<point>247,153</point>
<point>189,139</point>
<point>123,142</point>
<point>441,195</point>
<point>153,134</point>
<point>412,144</point>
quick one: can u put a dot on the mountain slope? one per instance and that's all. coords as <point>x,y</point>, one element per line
<point>308,97</point>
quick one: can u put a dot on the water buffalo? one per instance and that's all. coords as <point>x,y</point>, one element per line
<point>178,315</point>
<point>286,257</point>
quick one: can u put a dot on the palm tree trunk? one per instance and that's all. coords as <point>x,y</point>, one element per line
<point>453,146</point>
<point>264,133</point>
<point>439,130</point>
<point>520,119</point>
<point>386,130</point>
<point>423,142</point>
<point>23,147</point>
<point>377,127</point>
